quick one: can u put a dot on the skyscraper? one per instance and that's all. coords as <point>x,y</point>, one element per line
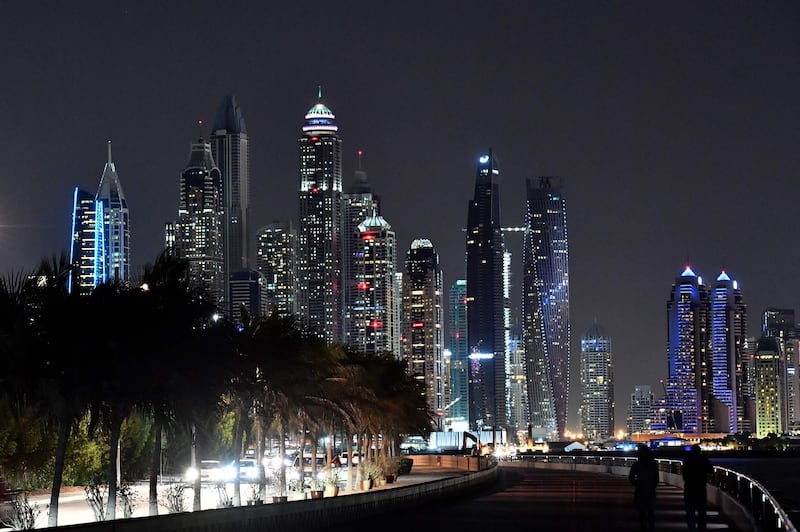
<point>100,240</point>
<point>486,327</point>
<point>357,205</point>
<point>640,409</point>
<point>375,324</point>
<point>688,385</point>
<point>780,323</point>
<point>248,290</point>
<point>545,306</point>
<point>197,234</point>
<point>457,410</point>
<point>728,338</point>
<point>276,257</point>
<point>770,381</point>
<point>319,237</point>
<point>422,317</point>
<point>230,150</point>
<point>597,380</point>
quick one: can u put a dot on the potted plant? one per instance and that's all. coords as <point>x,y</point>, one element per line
<point>404,465</point>
<point>390,467</point>
<point>370,473</point>
<point>332,483</point>
<point>276,488</point>
<point>254,497</point>
<point>316,487</point>
<point>296,490</point>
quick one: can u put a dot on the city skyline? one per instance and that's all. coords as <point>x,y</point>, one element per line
<point>666,123</point>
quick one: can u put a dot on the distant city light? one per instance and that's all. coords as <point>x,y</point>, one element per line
<point>484,159</point>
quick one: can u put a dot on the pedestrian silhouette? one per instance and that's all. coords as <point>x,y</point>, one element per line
<point>695,471</point>
<point>644,477</point>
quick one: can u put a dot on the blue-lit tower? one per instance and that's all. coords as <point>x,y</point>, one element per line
<point>688,384</point>
<point>486,327</point>
<point>457,409</point>
<point>319,236</point>
<point>100,239</point>
<point>545,306</point>
<point>728,340</point>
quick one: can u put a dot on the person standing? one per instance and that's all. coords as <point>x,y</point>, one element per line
<point>644,477</point>
<point>695,470</point>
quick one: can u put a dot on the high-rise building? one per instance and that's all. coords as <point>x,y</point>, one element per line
<point>728,338</point>
<point>319,239</point>
<point>375,324</point>
<point>781,324</point>
<point>197,234</point>
<point>457,410</point>
<point>516,388</point>
<point>486,327</point>
<point>357,205</point>
<point>247,294</point>
<point>545,306</point>
<point>640,410</point>
<point>100,240</point>
<point>597,380</point>
<point>230,150</point>
<point>422,316</point>
<point>276,257</point>
<point>688,383</point>
<point>770,379</point>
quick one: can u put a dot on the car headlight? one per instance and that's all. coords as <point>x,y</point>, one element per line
<point>228,473</point>
<point>191,474</point>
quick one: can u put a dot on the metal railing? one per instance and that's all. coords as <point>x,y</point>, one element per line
<point>764,508</point>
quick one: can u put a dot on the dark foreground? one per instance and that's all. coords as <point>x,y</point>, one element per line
<point>544,500</point>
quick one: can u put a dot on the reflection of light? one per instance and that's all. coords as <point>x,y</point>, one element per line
<point>480,356</point>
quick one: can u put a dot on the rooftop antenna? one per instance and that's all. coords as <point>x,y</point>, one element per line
<point>359,154</point>
<point>200,130</point>
<point>109,152</point>
<point>319,93</point>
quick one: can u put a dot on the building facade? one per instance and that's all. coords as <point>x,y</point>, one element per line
<point>276,259</point>
<point>728,339</point>
<point>486,328</point>
<point>597,381</point>
<point>640,410</point>
<point>100,239</point>
<point>197,234</point>
<point>423,325</point>
<point>780,323</point>
<point>688,384</point>
<point>230,150</point>
<point>247,296</point>
<point>457,409</point>
<point>545,306</point>
<point>319,266</point>
<point>770,382</point>
<point>375,325</point>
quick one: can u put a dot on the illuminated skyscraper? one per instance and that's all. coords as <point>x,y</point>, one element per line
<point>486,326</point>
<point>597,380</point>
<point>276,257</point>
<point>231,152</point>
<point>248,290</point>
<point>688,383</point>
<point>780,323</point>
<point>319,238</point>
<point>422,317</point>
<point>100,240</point>
<point>545,306</point>
<point>457,410</point>
<point>375,324</point>
<point>728,339</point>
<point>640,410</point>
<point>357,205</point>
<point>770,381</point>
<point>197,234</point>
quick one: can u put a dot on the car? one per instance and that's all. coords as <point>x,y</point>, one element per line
<point>321,463</point>
<point>210,471</point>
<point>248,470</point>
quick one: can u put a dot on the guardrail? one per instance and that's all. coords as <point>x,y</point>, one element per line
<point>761,507</point>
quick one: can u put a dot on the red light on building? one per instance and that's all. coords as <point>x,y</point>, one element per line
<point>363,286</point>
<point>314,139</point>
<point>458,335</point>
<point>315,189</point>
<point>368,237</point>
<point>417,324</point>
<point>376,324</point>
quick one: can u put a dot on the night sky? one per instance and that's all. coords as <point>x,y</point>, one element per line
<point>673,124</point>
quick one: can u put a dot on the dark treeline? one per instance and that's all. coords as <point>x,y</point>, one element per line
<point>145,367</point>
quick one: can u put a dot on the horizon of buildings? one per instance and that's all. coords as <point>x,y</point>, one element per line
<point>337,269</point>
